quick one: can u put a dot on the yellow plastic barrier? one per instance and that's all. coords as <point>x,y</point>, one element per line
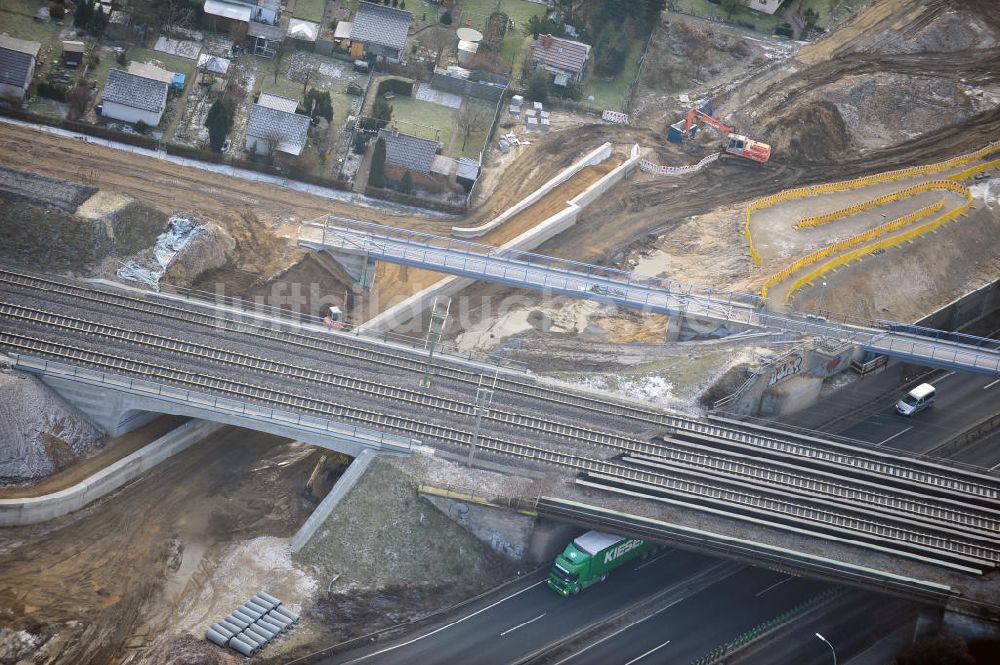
<point>876,202</point>
<point>892,241</point>
<point>882,229</point>
<point>862,181</point>
<point>978,168</point>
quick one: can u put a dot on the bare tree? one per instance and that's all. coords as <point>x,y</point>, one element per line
<point>437,40</point>
<point>472,119</point>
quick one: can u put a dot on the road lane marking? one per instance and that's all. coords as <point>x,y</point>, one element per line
<point>522,625</point>
<point>941,378</point>
<point>990,385</point>
<point>894,436</point>
<point>619,631</point>
<point>653,560</point>
<point>636,660</point>
<point>445,627</point>
<point>776,584</point>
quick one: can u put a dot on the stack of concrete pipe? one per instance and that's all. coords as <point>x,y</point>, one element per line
<point>252,627</point>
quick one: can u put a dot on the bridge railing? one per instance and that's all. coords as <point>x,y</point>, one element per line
<point>335,226</point>
<point>617,286</point>
<point>201,400</point>
<point>941,335</point>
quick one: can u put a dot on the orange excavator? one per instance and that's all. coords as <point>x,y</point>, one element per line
<point>738,144</point>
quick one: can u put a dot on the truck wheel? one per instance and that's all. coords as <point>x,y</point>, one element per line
<point>576,590</point>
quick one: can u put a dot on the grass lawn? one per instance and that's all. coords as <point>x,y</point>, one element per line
<point>475,13</point>
<point>477,139</point>
<point>423,119</point>
<point>17,20</point>
<point>310,10</point>
<point>742,16</point>
<point>610,94</point>
<point>421,9</point>
<point>841,9</point>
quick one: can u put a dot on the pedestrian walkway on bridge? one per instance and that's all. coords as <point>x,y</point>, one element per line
<point>649,294</point>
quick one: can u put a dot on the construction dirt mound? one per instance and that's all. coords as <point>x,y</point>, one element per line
<point>897,70</point>
<point>189,650</point>
<point>816,133</point>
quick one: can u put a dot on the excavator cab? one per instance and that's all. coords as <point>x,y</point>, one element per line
<point>741,146</point>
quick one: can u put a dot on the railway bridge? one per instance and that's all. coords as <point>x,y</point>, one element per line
<point>120,355</point>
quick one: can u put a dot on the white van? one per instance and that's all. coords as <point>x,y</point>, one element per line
<point>915,401</point>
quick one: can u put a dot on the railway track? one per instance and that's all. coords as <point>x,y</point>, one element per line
<point>956,548</point>
<point>887,469</point>
<point>678,454</point>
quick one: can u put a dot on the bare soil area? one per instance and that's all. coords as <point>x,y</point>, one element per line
<point>90,588</point>
<point>394,283</point>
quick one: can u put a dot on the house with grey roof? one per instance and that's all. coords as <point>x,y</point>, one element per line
<point>408,152</point>
<point>255,21</point>
<point>133,98</point>
<point>565,58</point>
<point>275,126</point>
<point>379,30</point>
<point>18,58</point>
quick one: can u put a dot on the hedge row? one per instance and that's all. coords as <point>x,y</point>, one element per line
<point>397,86</point>
<point>417,201</point>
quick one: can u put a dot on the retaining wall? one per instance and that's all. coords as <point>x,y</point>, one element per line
<point>32,510</point>
<point>549,228</point>
<point>519,536</point>
<point>595,156</point>
<point>464,87</point>
<point>345,484</point>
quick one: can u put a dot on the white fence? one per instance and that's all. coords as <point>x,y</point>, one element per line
<point>650,167</point>
<point>615,116</point>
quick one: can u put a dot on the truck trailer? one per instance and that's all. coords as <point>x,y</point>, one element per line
<point>590,557</point>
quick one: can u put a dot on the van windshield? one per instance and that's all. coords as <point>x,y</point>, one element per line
<point>910,400</point>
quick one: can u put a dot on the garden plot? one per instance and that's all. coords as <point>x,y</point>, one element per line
<point>426,93</point>
<point>179,47</point>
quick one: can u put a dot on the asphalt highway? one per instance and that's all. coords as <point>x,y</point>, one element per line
<point>865,411</point>
<point>692,626</point>
<point>689,622</point>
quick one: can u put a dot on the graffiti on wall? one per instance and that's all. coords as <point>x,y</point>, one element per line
<point>789,367</point>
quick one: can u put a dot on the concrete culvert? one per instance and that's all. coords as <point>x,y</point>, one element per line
<point>216,637</point>
<point>286,613</point>
<point>240,620</point>
<point>248,614</point>
<point>264,636</point>
<point>269,598</point>
<point>277,617</point>
<point>263,609</point>
<point>263,602</point>
<point>274,627</point>
<point>223,630</point>
<point>242,646</point>
<point>250,637</point>
<point>266,631</point>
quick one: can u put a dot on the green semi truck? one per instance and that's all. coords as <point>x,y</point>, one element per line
<point>589,558</point>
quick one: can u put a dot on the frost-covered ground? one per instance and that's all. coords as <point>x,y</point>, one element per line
<point>39,432</point>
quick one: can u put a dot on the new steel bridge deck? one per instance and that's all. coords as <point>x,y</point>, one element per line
<point>581,280</point>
